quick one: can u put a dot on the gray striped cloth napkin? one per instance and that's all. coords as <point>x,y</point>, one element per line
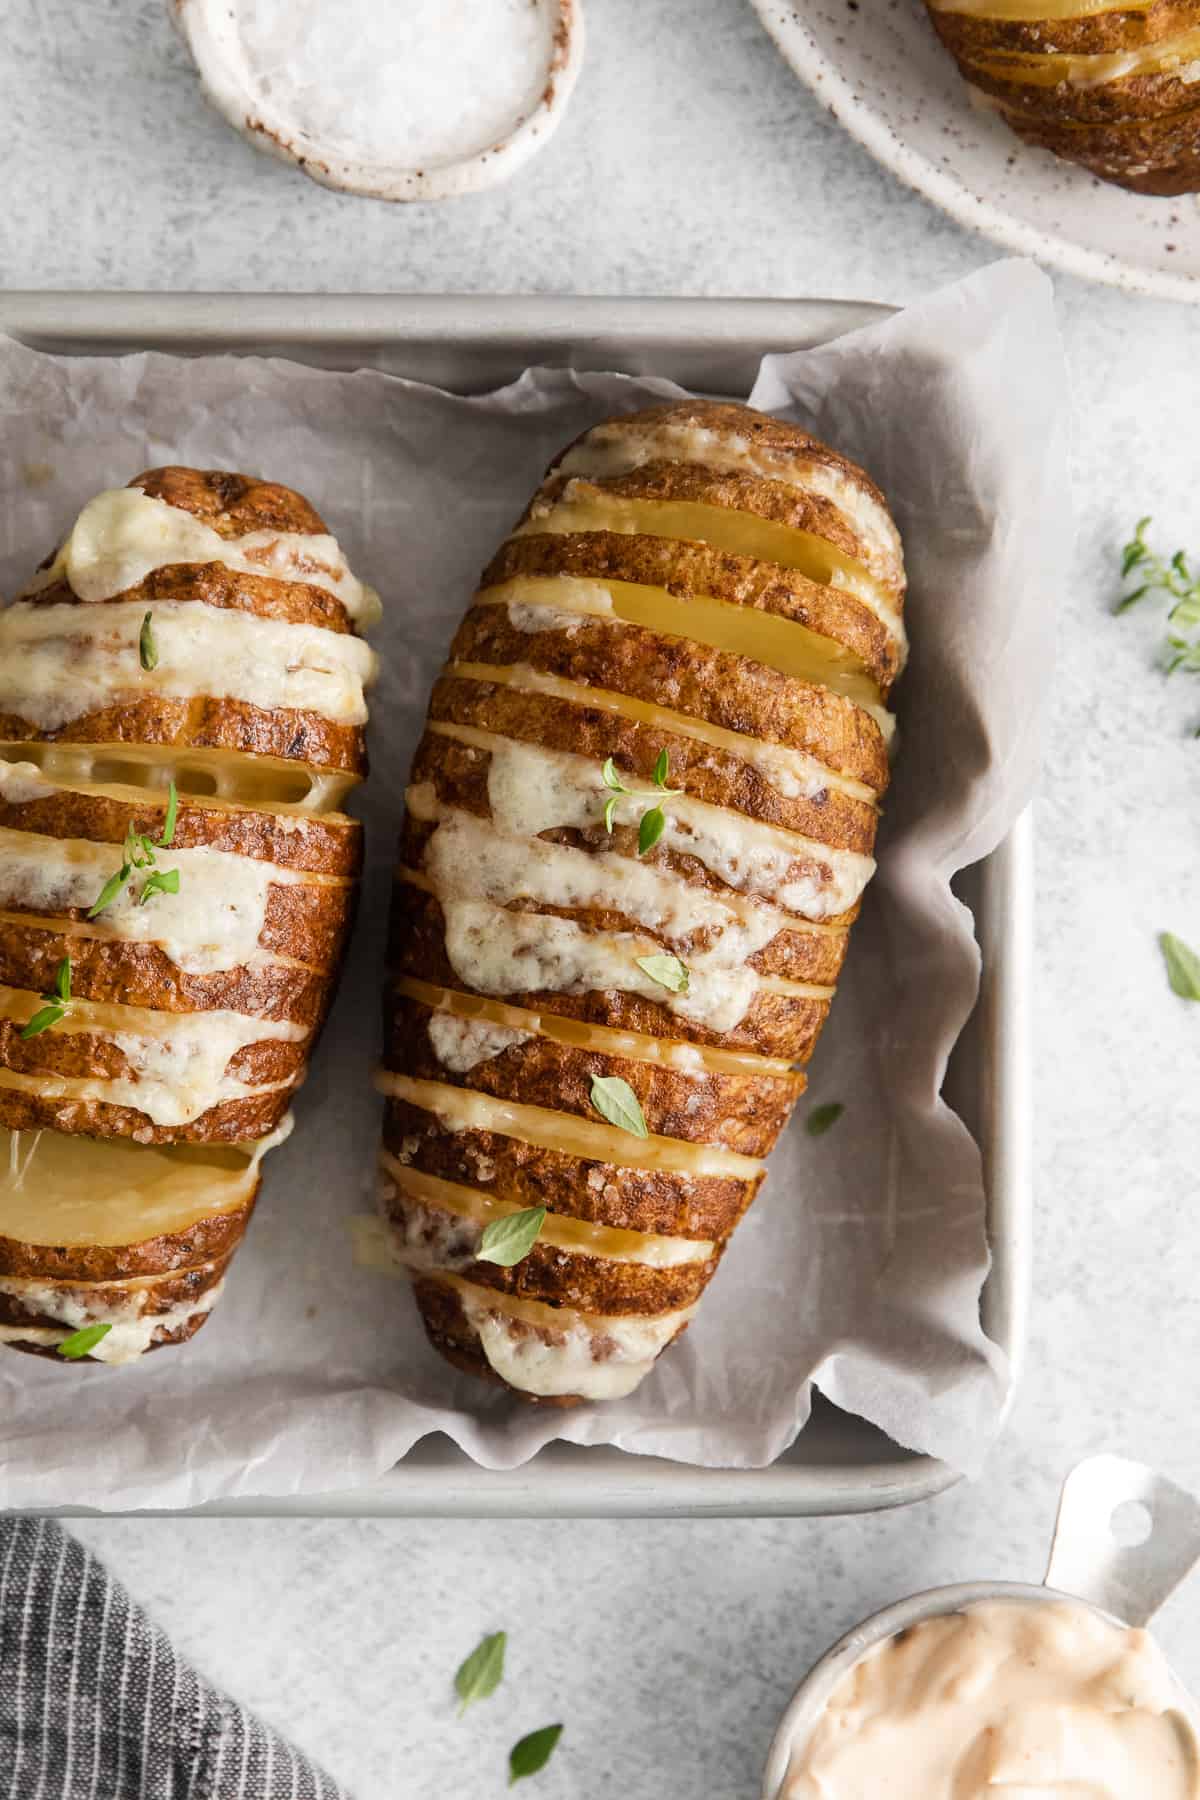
<point>95,1704</point>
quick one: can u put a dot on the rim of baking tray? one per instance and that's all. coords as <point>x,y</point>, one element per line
<point>801,51</point>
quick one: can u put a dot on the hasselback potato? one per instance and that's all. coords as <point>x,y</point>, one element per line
<point>181,716</point>
<point>1113,87</point>
<point>639,824</point>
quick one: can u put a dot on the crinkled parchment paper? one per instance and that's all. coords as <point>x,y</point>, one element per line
<point>860,1266</point>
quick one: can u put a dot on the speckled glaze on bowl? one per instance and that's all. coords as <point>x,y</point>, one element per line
<point>209,29</point>
<point>882,73</point>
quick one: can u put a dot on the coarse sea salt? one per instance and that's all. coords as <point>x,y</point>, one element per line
<point>424,82</point>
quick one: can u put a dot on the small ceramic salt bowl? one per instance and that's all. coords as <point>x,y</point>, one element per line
<point>428,100</point>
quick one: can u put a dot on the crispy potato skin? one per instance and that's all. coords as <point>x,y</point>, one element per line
<point>1146,97</point>
<point>212,584</point>
<point>766,435</point>
<point>828,814</point>
<point>739,1112</point>
<point>1138,130</point>
<point>731,691</point>
<point>782,504</point>
<point>160,1292</point>
<point>459,775</point>
<point>315,845</point>
<point>788,955</point>
<point>566,1278</point>
<point>231,1122</point>
<point>232,505</point>
<point>205,723</point>
<point>177,1288</point>
<point>1094,36</point>
<point>143,975</point>
<point>308,923</point>
<point>162,1340</point>
<point>1148,156</point>
<point>777,1025</point>
<point>690,569</point>
<point>88,1054</point>
<point>229,503</point>
<point>450,1333</point>
<point>660,1201</point>
<point>306,920</point>
<point>706,455</point>
<point>210,1239</point>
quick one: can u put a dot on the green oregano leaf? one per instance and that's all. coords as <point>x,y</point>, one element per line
<point>662,769</point>
<point>615,1100</point>
<point>822,1117</point>
<point>532,1753</point>
<point>668,971</point>
<point>482,1672</point>
<point>1183,966</point>
<point>82,1343</point>
<point>508,1240</point>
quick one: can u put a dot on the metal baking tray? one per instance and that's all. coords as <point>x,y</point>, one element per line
<point>838,1464</point>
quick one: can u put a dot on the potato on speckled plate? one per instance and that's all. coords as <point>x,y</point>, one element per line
<point>1112,87</point>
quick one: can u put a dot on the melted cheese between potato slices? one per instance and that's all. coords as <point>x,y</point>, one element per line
<point>503,888</point>
<point>584,507</point>
<point>1178,56</point>
<point>58,1191</point>
<point>58,662</point>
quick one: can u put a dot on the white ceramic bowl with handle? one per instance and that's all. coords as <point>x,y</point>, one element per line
<point>1092,1562</point>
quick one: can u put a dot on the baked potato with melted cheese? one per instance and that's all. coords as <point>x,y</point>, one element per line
<point>181,715</point>
<point>699,615</point>
<point>1115,88</point>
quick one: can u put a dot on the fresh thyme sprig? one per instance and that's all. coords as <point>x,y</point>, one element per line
<point>1177,582</point>
<point>138,852</point>
<point>653,822</point>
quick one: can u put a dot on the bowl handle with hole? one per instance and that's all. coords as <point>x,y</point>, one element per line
<point>1092,1558</point>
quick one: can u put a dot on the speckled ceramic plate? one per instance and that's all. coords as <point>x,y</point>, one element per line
<point>880,70</point>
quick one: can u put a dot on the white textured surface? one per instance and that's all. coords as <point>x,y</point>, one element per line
<point>691,161</point>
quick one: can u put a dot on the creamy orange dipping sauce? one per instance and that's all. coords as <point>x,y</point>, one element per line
<point>1007,1700</point>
